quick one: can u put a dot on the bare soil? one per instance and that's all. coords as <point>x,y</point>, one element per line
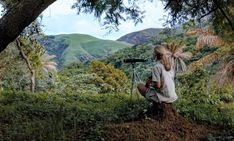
<point>163,125</point>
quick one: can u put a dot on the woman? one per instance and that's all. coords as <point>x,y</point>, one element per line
<point>161,87</point>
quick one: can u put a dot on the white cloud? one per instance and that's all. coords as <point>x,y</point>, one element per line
<point>60,18</point>
<point>60,8</point>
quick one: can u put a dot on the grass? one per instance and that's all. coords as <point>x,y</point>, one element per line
<point>25,116</point>
<point>80,45</point>
<point>102,48</point>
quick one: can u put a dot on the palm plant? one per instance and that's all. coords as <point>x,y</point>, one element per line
<point>47,64</point>
<point>224,54</point>
<point>226,73</point>
<point>206,37</point>
<point>178,56</point>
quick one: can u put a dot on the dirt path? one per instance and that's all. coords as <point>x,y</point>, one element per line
<point>157,130</point>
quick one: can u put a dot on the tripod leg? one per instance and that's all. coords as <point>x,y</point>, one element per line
<point>137,80</point>
<point>133,79</point>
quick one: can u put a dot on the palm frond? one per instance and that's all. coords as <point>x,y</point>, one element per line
<point>48,57</point>
<point>209,40</point>
<point>49,67</point>
<point>47,64</point>
<point>206,37</point>
<point>178,56</point>
<point>204,60</point>
<point>185,55</point>
<point>191,32</point>
<point>180,65</point>
<point>226,74</point>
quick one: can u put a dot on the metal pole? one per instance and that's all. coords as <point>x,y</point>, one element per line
<point>133,78</point>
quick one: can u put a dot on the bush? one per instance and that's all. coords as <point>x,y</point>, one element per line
<point>26,116</point>
<point>96,78</point>
<point>202,100</point>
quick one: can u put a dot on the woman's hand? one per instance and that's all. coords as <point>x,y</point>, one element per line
<point>157,85</point>
<point>148,82</point>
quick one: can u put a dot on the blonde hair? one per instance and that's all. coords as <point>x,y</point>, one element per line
<point>163,56</point>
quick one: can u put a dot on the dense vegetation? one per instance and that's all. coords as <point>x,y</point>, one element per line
<point>80,100</point>
<point>63,116</point>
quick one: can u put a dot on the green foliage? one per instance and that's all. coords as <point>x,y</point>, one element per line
<point>14,74</point>
<point>141,51</point>
<point>74,78</point>
<point>112,11</point>
<point>96,78</point>
<point>218,12</point>
<point>202,100</point>
<point>8,3</point>
<point>113,80</point>
<point>26,116</point>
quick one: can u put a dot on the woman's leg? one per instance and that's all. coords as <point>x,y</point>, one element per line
<point>142,89</point>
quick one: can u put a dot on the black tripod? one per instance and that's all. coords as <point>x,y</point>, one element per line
<point>135,77</point>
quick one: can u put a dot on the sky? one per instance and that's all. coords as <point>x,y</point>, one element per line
<point>59,18</point>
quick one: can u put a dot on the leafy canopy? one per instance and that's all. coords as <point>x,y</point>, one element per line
<point>219,12</point>
<point>111,11</point>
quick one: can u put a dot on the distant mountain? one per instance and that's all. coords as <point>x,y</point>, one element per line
<point>79,47</point>
<point>140,37</point>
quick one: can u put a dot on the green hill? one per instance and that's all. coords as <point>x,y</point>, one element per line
<point>140,37</point>
<point>79,47</point>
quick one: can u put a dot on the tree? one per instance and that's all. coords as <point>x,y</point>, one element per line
<point>19,45</point>
<point>19,16</point>
<point>219,12</point>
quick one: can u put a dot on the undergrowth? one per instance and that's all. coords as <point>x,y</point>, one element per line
<point>26,116</point>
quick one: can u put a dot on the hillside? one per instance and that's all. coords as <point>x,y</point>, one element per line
<point>79,47</point>
<point>140,37</point>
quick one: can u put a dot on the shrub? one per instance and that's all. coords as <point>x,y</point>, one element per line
<point>202,100</point>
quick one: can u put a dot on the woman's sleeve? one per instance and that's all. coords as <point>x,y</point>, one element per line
<point>156,74</point>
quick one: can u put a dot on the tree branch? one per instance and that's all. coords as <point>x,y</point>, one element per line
<point>224,14</point>
<point>18,45</point>
<point>32,71</point>
<point>209,12</point>
<point>18,17</point>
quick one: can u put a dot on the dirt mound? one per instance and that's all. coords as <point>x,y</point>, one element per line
<point>164,124</point>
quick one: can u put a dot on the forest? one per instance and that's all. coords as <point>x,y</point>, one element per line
<point>78,87</point>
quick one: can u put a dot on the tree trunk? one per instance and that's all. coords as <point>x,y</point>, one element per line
<point>33,81</point>
<point>18,17</point>
<point>32,71</point>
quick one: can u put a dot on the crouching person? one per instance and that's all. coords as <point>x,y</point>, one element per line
<point>160,87</point>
